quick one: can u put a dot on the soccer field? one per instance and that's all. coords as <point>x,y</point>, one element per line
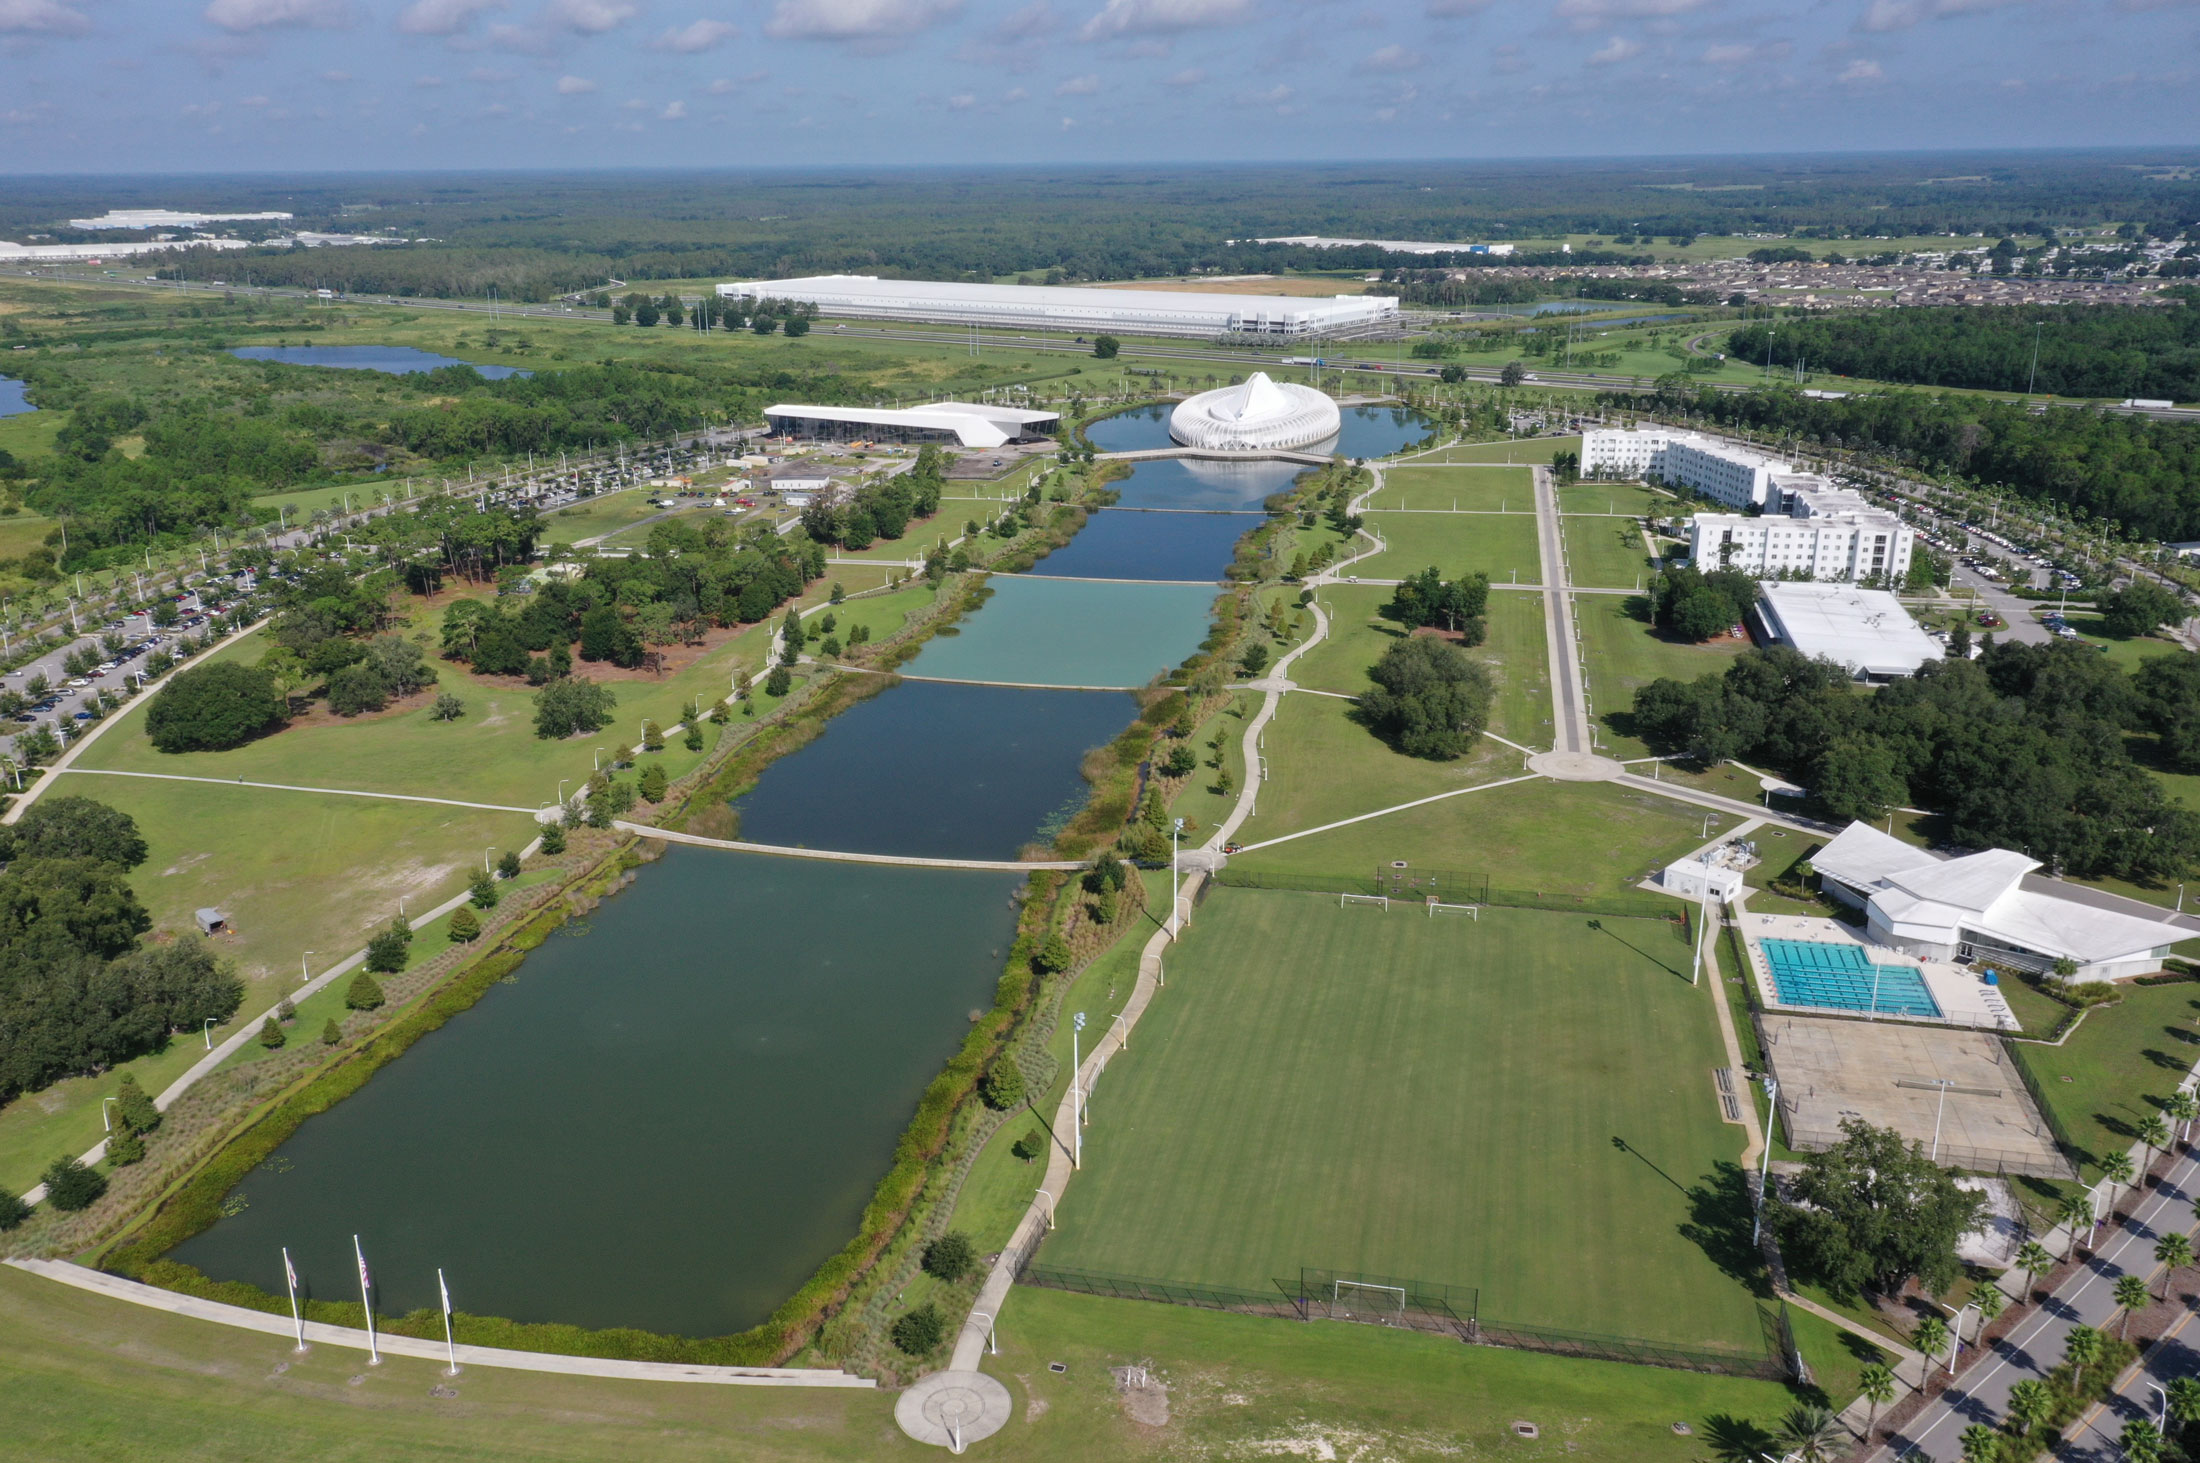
<point>1522,1103</point>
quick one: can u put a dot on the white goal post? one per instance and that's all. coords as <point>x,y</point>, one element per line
<point>1471,911</point>
<point>1382,899</point>
<point>1362,1300</point>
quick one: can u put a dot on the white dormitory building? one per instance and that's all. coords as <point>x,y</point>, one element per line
<point>1740,477</point>
<point>1989,908</point>
<point>1811,529</point>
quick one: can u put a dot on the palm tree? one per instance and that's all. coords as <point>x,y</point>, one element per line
<point>1979,1444</point>
<point>2081,1348</point>
<point>2074,1212</point>
<point>2034,1261</point>
<point>1931,1337</point>
<point>2132,1294</point>
<point>2183,1107</point>
<point>2154,1133</point>
<point>2031,1403</point>
<point>1991,1300</point>
<point>1813,1434</point>
<point>1875,1384</point>
<point>2184,1400</point>
<point>2141,1441</point>
<point>2117,1169</point>
<point>2173,1251</point>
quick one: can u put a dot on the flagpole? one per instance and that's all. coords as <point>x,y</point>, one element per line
<point>290,1278</point>
<point>449,1346</point>
<point>374,1350</point>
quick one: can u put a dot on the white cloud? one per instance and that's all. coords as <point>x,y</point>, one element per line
<point>589,17</point>
<point>1617,49</point>
<point>1079,86</point>
<point>720,87</point>
<point>1596,12</point>
<point>1016,94</point>
<point>1133,17</point>
<point>425,82</point>
<point>1445,9</point>
<point>700,35</point>
<point>336,78</point>
<point>1032,21</point>
<point>442,17</point>
<point>252,101</point>
<point>488,76</point>
<point>1068,123</point>
<point>244,15</point>
<point>41,17</point>
<point>673,112</point>
<point>1189,76</point>
<point>1859,72</point>
<point>1744,53</point>
<point>575,86</point>
<point>1391,58</point>
<point>1886,15</point>
<point>961,102</point>
<point>856,20</point>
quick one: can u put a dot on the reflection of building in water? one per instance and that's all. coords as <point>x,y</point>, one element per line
<point>1255,415</point>
<point>1238,476</point>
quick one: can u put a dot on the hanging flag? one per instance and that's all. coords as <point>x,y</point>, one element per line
<point>290,1272</point>
<point>366,1281</point>
<point>446,1289</point>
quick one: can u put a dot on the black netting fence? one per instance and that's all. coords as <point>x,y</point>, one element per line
<point>1415,885</point>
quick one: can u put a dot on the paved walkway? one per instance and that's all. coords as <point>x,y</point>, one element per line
<point>320,1334</point>
<point>644,830</point>
<point>334,792</point>
<point>1570,730</point>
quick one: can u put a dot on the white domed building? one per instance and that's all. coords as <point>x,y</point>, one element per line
<point>1256,415</point>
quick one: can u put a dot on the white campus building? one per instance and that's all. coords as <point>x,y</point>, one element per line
<point>1082,309</point>
<point>1739,476</point>
<point>1256,414</point>
<point>1809,528</point>
<point>1987,907</point>
<point>950,423</point>
<point>1866,630</point>
<point>169,218</point>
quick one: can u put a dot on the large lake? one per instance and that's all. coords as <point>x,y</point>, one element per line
<point>1367,431</point>
<point>396,360</point>
<point>668,1122</point>
<point>13,401</point>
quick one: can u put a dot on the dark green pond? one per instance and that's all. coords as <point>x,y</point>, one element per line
<point>667,1122</point>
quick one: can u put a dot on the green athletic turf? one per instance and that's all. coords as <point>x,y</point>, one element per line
<point>1521,1103</point>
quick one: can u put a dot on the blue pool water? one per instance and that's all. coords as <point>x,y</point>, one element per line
<point>394,360</point>
<point>1840,976</point>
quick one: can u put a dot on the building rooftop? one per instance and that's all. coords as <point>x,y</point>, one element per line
<point>1866,630</point>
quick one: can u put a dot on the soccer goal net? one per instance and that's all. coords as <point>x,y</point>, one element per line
<point>1381,899</point>
<point>1361,1300</point>
<point>1437,907</point>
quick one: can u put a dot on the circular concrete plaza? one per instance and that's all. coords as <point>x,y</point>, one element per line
<point>948,1409</point>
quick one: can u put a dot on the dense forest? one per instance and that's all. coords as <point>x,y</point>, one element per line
<point>2022,748</point>
<point>2141,473</point>
<point>533,236</point>
<point>2105,351</point>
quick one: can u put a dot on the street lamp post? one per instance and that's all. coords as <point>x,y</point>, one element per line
<point>1764,1162</point>
<point>106,1123</point>
<point>1175,828</point>
<point>206,1030</point>
<point>304,973</point>
<point>492,848</point>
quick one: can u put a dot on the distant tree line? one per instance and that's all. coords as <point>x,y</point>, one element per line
<point>2136,471</point>
<point>2022,748</point>
<point>2104,351</point>
<point>78,991</point>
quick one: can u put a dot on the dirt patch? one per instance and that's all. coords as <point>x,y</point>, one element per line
<point>1435,632</point>
<point>318,714</point>
<point>1145,1397</point>
<point>185,864</point>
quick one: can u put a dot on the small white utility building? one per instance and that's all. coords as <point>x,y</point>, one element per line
<point>1254,415</point>
<point>1983,907</point>
<point>1866,630</point>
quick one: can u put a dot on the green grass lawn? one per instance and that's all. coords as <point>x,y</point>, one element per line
<point>602,514</point>
<point>64,1118</point>
<point>1624,655</point>
<point>1501,546</point>
<point>1468,489</point>
<point>1438,1099</point>
<point>1514,652</point>
<point>1609,498</point>
<point>1323,766</point>
<point>1526,449</point>
<point>1606,553</point>
<point>2126,651</point>
<point>86,1377</point>
<point>1559,837</point>
<point>883,613</point>
<point>2121,1062</point>
<point>1200,805</point>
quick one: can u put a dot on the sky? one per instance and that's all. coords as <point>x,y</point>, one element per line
<point>226,85</point>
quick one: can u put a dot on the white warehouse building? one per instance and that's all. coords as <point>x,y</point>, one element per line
<point>1084,310</point>
<point>1814,529</point>
<point>1739,476</point>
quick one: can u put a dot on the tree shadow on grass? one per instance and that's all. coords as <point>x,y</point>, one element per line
<point>1719,1221</point>
<point>1737,1439</point>
<point>1602,927</point>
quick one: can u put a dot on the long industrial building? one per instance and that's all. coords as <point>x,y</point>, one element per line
<point>950,423</point>
<point>1083,310</point>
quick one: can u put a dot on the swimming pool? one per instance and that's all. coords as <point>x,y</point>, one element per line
<point>1820,973</point>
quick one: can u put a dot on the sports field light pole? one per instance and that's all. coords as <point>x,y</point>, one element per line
<point>1764,1160</point>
